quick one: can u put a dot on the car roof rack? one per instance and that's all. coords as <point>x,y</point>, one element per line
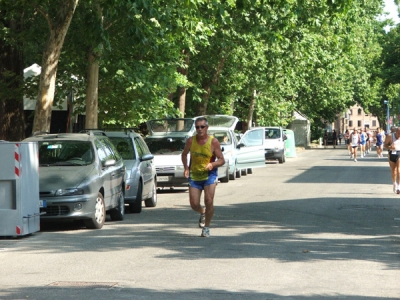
<point>36,133</point>
<point>93,132</point>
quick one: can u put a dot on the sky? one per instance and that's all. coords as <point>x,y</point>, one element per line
<point>391,8</point>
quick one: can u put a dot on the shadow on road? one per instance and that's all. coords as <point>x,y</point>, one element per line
<point>116,292</point>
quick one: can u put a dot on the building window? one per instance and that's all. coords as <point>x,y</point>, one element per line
<point>359,111</point>
<point>359,123</point>
<point>350,123</point>
<point>373,123</point>
<point>350,111</point>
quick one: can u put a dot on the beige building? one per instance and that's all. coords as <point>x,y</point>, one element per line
<point>355,117</point>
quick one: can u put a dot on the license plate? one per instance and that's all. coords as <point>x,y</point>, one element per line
<point>162,178</point>
<point>42,203</point>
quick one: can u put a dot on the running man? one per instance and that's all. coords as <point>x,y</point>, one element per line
<point>392,143</point>
<point>354,141</point>
<point>202,171</point>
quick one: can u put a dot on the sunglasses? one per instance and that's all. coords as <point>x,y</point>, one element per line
<point>202,127</point>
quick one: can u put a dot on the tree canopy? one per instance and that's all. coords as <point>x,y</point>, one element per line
<point>259,60</point>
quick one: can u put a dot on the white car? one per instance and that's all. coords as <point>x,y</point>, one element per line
<point>166,142</point>
<point>241,156</point>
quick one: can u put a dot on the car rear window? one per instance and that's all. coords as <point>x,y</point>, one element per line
<point>124,147</point>
<point>272,133</point>
<point>166,145</point>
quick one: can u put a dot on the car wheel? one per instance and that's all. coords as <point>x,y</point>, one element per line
<point>281,159</point>
<point>152,202</point>
<point>117,214</point>
<point>238,173</point>
<point>244,172</point>
<point>249,171</point>
<point>233,175</point>
<point>99,217</point>
<point>136,207</point>
<point>226,178</point>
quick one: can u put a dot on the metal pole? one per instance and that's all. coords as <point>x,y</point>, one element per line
<point>387,116</point>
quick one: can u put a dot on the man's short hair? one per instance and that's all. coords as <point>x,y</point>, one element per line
<point>199,119</point>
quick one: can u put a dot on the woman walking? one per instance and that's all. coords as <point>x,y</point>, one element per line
<point>354,141</point>
<point>392,143</point>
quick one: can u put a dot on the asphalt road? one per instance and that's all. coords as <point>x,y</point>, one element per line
<point>319,226</point>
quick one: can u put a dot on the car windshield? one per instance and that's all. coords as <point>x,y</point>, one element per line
<point>166,145</point>
<point>222,136</point>
<point>221,121</point>
<point>124,146</point>
<point>65,153</point>
<point>272,133</point>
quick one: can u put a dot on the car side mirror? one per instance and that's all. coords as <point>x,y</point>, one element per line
<point>240,145</point>
<point>284,137</point>
<point>222,149</point>
<point>109,163</point>
<point>148,156</point>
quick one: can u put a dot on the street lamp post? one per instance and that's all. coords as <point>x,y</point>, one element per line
<point>387,116</point>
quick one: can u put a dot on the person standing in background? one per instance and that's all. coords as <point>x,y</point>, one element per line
<point>379,138</point>
<point>334,138</point>
<point>347,140</point>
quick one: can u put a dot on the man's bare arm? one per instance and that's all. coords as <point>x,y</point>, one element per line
<point>184,154</point>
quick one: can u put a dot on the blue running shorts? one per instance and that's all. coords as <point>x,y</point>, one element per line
<point>212,178</point>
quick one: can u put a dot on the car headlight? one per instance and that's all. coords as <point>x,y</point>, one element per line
<point>68,192</point>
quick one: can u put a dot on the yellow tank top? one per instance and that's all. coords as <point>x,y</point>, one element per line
<point>200,156</point>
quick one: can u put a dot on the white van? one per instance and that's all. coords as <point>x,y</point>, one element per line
<point>274,144</point>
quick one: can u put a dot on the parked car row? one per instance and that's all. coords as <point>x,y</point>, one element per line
<point>83,176</point>
<point>167,138</point>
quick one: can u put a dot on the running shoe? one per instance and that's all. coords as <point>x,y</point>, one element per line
<point>355,160</point>
<point>205,232</point>
<point>395,187</point>
<point>202,220</point>
<point>362,156</point>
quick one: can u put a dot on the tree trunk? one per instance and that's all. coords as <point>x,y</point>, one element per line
<point>182,90</point>
<point>251,110</point>
<point>51,54</point>
<point>92,93</point>
<point>207,84</point>
<point>12,125</point>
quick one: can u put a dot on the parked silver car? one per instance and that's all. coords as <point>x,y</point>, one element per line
<point>141,178</point>
<point>166,141</point>
<point>81,176</point>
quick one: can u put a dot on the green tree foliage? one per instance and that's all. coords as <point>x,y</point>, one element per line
<point>259,60</point>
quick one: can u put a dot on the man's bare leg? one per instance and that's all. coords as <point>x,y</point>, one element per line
<point>194,198</point>
<point>209,192</point>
